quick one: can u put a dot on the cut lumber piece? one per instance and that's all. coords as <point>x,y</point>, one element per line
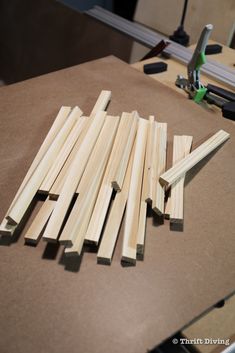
<point>101,103</point>
<point>88,184</point>
<point>144,192</point>
<point>25,197</point>
<point>115,217</point>
<point>181,148</point>
<point>35,230</point>
<point>168,208</point>
<point>103,200</point>
<point>133,203</point>
<point>160,165</point>
<point>7,229</point>
<point>62,156</point>
<point>150,148</point>
<point>60,180</point>
<point>75,173</point>
<point>55,128</point>
<point>127,135</point>
<point>183,166</point>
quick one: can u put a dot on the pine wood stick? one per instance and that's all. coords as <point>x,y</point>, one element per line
<point>150,148</point>
<point>112,227</point>
<point>181,148</point>
<point>62,156</point>
<point>133,203</point>
<point>160,165</point>
<point>24,199</point>
<point>7,229</point>
<point>103,200</point>
<point>183,166</point>
<point>75,173</point>
<point>36,228</point>
<point>55,128</point>
<point>88,184</point>
<point>102,102</point>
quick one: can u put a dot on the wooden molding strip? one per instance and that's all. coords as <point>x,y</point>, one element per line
<point>24,199</point>
<point>150,157</point>
<point>115,217</point>
<point>91,176</point>
<point>159,165</point>
<point>180,168</point>
<point>133,202</point>
<point>62,156</point>
<point>103,200</point>
<point>7,229</point>
<point>36,228</point>
<point>75,173</point>
<point>102,102</point>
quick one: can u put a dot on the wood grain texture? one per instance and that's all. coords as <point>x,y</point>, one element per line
<point>133,203</point>
<point>115,217</point>
<point>150,156</point>
<point>75,173</point>
<point>36,228</point>
<point>90,181</point>
<point>24,199</point>
<point>180,168</point>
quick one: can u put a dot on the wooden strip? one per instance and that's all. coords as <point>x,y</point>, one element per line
<point>35,230</point>
<point>55,128</point>
<point>150,148</point>
<point>182,146</point>
<point>62,156</point>
<point>180,168</point>
<point>126,144</point>
<point>30,189</point>
<point>112,227</point>
<point>103,200</point>
<point>144,192</point>
<point>91,176</point>
<point>160,165</point>
<point>75,173</point>
<point>7,229</point>
<point>102,102</point>
<point>133,203</point>
<point>60,180</point>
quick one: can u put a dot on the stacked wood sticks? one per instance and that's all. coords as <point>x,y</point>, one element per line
<point>104,166</point>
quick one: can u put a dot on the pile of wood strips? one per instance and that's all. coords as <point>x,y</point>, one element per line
<point>112,165</point>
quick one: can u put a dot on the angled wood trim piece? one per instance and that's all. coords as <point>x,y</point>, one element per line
<point>150,148</point>
<point>133,203</point>
<point>160,165</point>
<point>91,176</point>
<point>24,199</point>
<point>181,148</point>
<point>75,173</point>
<point>55,128</point>
<point>62,156</point>
<point>180,168</point>
<point>112,227</point>
<point>36,228</point>
<point>7,229</point>
<point>102,102</point>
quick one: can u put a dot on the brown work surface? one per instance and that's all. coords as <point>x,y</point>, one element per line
<point>45,308</point>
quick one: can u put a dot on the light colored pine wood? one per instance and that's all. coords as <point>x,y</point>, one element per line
<point>181,148</point>
<point>24,199</point>
<point>102,102</point>
<point>160,165</point>
<point>103,200</point>
<point>180,168</point>
<point>60,180</point>
<point>35,230</point>
<point>114,221</point>
<point>55,128</point>
<point>62,156</point>
<point>126,143</point>
<point>150,148</point>
<point>133,203</point>
<point>7,229</point>
<point>144,191</point>
<point>88,184</point>
<point>75,173</point>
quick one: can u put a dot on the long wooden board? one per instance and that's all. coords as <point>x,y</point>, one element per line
<point>102,102</point>
<point>150,147</point>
